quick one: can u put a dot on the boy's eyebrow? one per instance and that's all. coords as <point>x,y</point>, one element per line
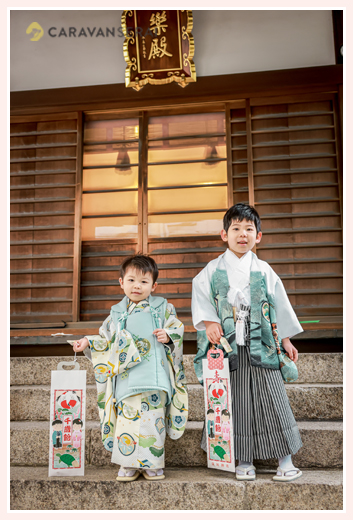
<point>133,276</point>
<point>248,224</point>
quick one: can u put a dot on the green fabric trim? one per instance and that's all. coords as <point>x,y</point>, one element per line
<point>263,323</point>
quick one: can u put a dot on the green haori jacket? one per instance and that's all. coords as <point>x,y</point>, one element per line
<point>263,323</point>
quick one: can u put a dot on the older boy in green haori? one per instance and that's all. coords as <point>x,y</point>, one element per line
<point>240,297</point>
<point>138,365</point>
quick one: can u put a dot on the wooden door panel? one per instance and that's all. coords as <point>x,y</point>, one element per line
<point>45,178</point>
<point>297,194</point>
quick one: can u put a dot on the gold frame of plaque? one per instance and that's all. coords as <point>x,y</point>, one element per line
<point>158,47</point>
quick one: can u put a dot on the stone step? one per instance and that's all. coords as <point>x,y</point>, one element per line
<point>312,368</point>
<point>322,446</point>
<point>308,401</point>
<point>182,489</point>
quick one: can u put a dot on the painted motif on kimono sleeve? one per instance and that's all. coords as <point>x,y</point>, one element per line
<point>177,409</point>
<point>124,354</point>
<point>100,348</point>
<point>175,330</point>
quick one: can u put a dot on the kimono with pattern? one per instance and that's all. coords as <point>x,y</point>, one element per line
<point>115,353</point>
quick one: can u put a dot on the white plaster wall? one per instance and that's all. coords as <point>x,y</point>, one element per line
<point>226,42</point>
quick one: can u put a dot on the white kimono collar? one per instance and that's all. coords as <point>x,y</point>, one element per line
<point>238,270</point>
<point>242,264</point>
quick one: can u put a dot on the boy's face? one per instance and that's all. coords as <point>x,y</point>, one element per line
<point>241,237</point>
<point>136,285</point>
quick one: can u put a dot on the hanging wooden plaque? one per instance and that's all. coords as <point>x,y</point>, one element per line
<point>158,47</point>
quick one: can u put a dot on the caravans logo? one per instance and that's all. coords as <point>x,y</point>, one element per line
<point>83,32</point>
<point>35,30</point>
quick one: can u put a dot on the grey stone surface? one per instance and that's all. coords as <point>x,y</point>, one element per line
<point>308,401</point>
<point>37,370</point>
<point>319,401</point>
<point>322,446</point>
<point>320,368</point>
<point>183,489</point>
<point>316,490</point>
<point>312,368</point>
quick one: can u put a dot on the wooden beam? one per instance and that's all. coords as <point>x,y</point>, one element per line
<point>207,90</point>
<point>229,155</point>
<point>142,187</point>
<point>78,214</point>
<point>337,20</point>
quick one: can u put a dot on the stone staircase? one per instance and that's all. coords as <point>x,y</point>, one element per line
<point>317,402</point>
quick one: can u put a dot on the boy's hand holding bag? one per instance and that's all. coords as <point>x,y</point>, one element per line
<point>287,367</point>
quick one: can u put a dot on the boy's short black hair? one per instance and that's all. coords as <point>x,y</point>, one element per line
<point>142,263</point>
<point>209,411</point>
<point>242,212</point>
<point>56,421</point>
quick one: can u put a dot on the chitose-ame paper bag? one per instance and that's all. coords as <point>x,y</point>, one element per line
<point>67,421</point>
<point>218,409</point>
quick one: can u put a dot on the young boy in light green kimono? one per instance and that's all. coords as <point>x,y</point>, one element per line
<point>138,365</point>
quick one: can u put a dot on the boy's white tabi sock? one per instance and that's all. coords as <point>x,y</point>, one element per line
<point>244,464</point>
<point>126,472</point>
<point>286,464</point>
<point>153,472</point>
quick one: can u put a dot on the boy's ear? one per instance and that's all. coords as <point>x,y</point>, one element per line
<point>121,282</point>
<point>258,238</point>
<point>154,286</point>
<point>224,236</point>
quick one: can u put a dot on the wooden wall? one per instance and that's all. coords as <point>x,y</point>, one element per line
<point>283,156</point>
<point>45,171</point>
<point>286,161</point>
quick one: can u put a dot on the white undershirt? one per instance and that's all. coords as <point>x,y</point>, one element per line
<point>238,270</point>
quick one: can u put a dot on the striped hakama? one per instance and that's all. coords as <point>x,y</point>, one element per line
<point>263,422</point>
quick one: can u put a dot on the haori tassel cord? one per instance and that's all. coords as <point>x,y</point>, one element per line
<point>240,328</point>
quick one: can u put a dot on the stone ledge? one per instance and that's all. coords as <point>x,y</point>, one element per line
<point>183,489</point>
<point>312,368</point>
<point>308,401</point>
<point>322,446</point>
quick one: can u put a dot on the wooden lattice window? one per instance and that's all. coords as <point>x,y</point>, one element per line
<point>291,172</point>
<point>45,170</point>
<point>172,191</point>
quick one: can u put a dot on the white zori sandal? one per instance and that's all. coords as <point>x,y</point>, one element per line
<point>241,473</point>
<point>127,474</point>
<point>283,477</point>
<point>151,474</point>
